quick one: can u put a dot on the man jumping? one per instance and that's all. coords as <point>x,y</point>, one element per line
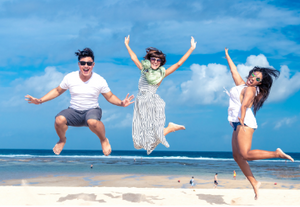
<point>85,87</point>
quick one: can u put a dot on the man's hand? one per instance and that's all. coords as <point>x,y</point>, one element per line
<point>33,100</point>
<point>126,101</point>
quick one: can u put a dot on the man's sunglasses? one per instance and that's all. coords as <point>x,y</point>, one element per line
<point>257,79</point>
<point>88,63</point>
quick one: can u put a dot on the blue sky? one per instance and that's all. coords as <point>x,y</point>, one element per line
<point>39,38</point>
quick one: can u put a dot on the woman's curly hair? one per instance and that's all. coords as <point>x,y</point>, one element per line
<point>153,52</point>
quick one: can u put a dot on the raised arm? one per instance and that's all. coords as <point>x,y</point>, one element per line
<point>235,74</point>
<point>174,67</point>
<point>132,54</point>
<point>248,98</point>
<point>49,96</point>
<point>113,99</point>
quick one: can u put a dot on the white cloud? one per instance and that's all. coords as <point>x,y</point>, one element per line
<point>111,117</point>
<point>36,31</point>
<point>40,85</point>
<point>36,86</point>
<point>116,120</point>
<point>127,122</point>
<point>285,86</point>
<point>226,137</point>
<point>264,124</point>
<point>285,122</point>
<point>207,82</point>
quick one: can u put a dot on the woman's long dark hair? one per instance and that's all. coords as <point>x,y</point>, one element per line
<point>264,88</point>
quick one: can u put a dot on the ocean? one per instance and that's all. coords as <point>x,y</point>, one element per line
<point>24,163</point>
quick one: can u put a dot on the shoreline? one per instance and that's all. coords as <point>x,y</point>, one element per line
<point>146,181</point>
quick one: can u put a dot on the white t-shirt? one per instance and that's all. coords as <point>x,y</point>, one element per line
<point>84,95</point>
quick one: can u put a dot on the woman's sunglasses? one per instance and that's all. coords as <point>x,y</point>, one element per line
<point>88,63</point>
<point>152,59</point>
<point>257,79</point>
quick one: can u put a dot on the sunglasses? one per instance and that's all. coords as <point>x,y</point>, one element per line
<point>88,63</point>
<point>257,79</point>
<point>152,59</point>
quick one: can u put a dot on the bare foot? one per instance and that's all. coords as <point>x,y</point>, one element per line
<point>256,188</point>
<point>175,127</point>
<point>283,155</point>
<point>106,148</point>
<point>59,146</point>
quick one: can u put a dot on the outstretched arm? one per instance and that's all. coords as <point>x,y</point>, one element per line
<point>49,96</point>
<point>235,74</point>
<point>113,99</point>
<point>247,102</point>
<point>174,67</point>
<point>132,54</point>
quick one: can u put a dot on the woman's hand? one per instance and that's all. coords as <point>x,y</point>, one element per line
<point>127,39</point>
<point>126,101</point>
<point>233,69</point>
<point>226,51</point>
<point>33,100</point>
<point>174,67</point>
<point>242,123</point>
<point>193,43</point>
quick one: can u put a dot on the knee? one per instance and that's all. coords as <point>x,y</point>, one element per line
<point>245,156</point>
<point>236,157</point>
<point>60,121</point>
<point>93,123</point>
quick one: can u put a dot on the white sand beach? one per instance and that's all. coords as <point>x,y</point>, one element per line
<point>137,190</point>
<point>29,195</point>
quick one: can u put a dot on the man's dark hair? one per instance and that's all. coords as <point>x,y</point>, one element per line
<point>86,52</point>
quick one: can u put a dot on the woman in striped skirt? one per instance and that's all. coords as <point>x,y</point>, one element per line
<point>149,109</point>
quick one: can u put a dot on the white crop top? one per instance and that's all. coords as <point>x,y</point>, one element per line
<point>234,109</point>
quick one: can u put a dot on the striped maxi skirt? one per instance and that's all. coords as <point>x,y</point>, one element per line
<point>148,121</point>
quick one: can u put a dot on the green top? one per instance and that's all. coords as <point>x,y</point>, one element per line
<point>153,77</point>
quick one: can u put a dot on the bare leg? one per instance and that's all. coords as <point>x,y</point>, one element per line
<point>245,140</point>
<point>61,128</point>
<point>98,128</point>
<point>172,128</point>
<point>243,164</point>
<point>241,145</point>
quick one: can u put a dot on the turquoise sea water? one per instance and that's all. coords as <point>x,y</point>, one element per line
<point>22,164</point>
